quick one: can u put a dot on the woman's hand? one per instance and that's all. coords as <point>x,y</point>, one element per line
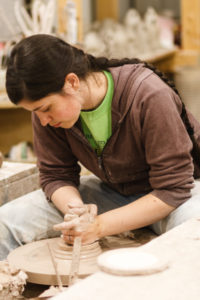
<point>80,221</point>
<point>88,235</point>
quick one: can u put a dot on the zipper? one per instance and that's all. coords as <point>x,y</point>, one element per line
<point>83,139</point>
<point>99,158</point>
<point>101,167</point>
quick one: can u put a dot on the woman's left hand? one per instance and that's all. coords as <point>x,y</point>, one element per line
<point>80,222</point>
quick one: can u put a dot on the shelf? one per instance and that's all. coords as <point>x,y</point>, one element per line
<point>5,103</point>
<point>160,55</point>
<point>7,106</point>
<point>15,124</point>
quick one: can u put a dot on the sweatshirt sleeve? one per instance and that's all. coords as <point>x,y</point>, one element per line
<point>167,144</point>
<point>57,165</point>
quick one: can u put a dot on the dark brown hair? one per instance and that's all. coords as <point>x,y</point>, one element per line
<point>39,64</point>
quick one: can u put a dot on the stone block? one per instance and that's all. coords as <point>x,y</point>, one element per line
<point>17,179</point>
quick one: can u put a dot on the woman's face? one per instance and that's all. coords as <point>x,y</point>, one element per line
<point>57,110</point>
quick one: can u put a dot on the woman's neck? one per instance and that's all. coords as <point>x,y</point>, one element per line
<point>94,90</point>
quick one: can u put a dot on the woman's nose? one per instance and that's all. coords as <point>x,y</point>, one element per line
<point>44,118</point>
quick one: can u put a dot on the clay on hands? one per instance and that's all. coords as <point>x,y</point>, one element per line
<point>76,221</point>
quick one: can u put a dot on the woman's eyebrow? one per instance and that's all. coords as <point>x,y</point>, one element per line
<point>37,108</point>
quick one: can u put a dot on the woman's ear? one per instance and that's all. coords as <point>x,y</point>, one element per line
<point>72,82</point>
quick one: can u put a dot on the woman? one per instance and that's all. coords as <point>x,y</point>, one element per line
<point>123,121</point>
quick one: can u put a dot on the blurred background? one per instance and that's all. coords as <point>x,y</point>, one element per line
<point>165,33</point>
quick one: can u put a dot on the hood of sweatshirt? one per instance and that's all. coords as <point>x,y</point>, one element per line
<point>127,79</point>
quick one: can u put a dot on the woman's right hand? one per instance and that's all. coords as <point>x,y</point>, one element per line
<point>77,221</point>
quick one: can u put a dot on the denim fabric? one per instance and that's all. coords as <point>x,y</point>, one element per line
<point>189,209</point>
<point>26,219</point>
<point>31,217</point>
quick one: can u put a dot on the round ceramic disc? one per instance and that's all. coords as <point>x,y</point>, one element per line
<point>130,261</point>
<point>35,260</point>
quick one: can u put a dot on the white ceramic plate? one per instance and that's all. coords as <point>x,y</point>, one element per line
<point>130,261</point>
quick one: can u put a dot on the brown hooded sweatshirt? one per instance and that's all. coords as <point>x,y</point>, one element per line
<point>149,150</point>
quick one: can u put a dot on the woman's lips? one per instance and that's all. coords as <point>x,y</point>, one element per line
<point>57,125</point>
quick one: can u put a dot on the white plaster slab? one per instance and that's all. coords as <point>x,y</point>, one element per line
<point>181,280</point>
<point>17,179</point>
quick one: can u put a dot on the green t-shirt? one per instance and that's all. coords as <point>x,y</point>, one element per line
<point>97,123</point>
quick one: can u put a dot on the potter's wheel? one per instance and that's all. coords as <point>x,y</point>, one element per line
<point>35,260</point>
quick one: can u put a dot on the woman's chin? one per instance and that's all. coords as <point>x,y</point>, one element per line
<point>66,125</point>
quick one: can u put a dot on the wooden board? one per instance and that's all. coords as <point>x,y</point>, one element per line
<point>107,9</point>
<point>61,4</point>
<point>190,19</point>
<point>15,127</point>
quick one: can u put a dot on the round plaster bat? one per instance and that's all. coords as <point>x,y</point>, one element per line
<point>130,261</point>
<point>35,259</point>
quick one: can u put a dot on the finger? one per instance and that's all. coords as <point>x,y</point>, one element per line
<point>77,210</point>
<point>71,232</point>
<point>92,209</point>
<point>67,225</point>
<point>84,223</point>
<point>69,217</point>
<point>59,227</point>
<point>86,218</point>
<point>68,239</point>
<point>75,204</point>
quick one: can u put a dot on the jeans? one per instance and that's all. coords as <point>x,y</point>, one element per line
<point>31,217</point>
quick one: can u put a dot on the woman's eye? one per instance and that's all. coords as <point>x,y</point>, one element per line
<point>46,109</point>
